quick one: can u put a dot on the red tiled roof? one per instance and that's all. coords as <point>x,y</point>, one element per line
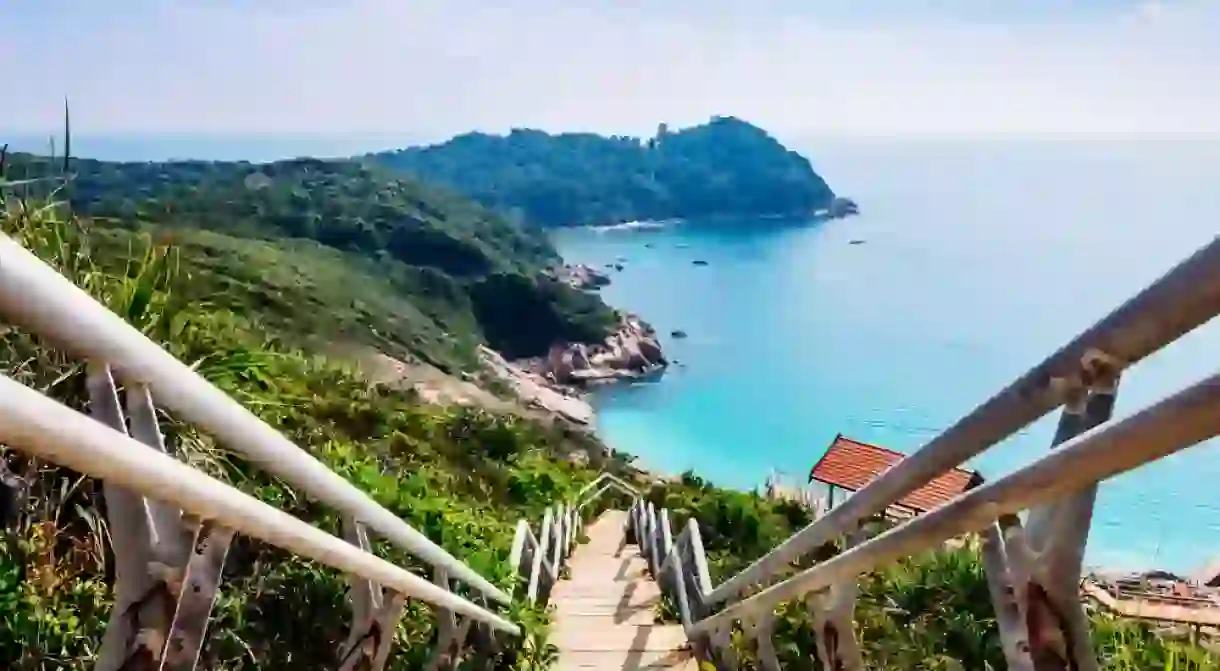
<point>851,464</point>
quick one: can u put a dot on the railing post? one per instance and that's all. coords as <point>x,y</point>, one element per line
<point>569,526</point>
<point>652,536</point>
<point>1014,637</point>
<point>375,614</point>
<point>680,570</point>
<point>720,648</point>
<point>517,555</point>
<point>641,528</point>
<point>537,565</point>
<point>450,634</point>
<point>762,630</point>
<point>833,613</point>
<point>167,568</point>
<point>484,644</point>
<point>559,532</point>
<point>666,537</point>
<point>1043,562</point>
<point>642,532</point>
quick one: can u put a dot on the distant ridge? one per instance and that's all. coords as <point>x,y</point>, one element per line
<point>723,167</point>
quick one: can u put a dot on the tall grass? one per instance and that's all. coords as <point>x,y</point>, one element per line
<point>463,477</point>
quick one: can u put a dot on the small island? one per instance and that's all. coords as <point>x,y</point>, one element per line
<point>841,208</point>
<point>725,167</point>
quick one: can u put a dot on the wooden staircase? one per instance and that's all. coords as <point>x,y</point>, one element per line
<point>605,613</point>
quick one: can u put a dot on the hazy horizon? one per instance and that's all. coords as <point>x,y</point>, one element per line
<point>849,68</point>
<point>262,147</point>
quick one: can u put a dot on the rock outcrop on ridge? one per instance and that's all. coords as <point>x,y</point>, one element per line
<point>632,351</point>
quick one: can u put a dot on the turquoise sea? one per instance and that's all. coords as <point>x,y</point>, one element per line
<point>980,258</point>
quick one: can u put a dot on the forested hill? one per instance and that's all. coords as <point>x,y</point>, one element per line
<point>344,249</point>
<point>724,167</point>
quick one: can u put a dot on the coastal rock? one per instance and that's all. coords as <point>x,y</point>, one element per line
<point>539,390</point>
<point>843,207</point>
<point>632,351</point>
<point>699,262</point>
<point>650,348</point>
<point>581,276</point>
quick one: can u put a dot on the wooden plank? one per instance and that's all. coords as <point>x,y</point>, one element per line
<point>605,612</point>
<point>614,637</point>
<point>1153,611</point>
<point>618,616</point>
<point>644,661</point>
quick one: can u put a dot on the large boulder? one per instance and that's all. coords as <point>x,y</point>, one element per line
<point>651,349</point>
<point>630,351</point>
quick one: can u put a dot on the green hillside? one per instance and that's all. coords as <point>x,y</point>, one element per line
<point>462,476</point>
<point>338,249</point>
<point>249,306</point>
<point>724,167</point>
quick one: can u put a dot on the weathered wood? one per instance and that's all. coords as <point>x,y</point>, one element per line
<point>604,614</point>
<point>1041,564</point>
<point>375,613</point>
<point>167,574</point>
<point>1014,636</point>
<point>196,595</point>
<point>450,634</point>
<point>833,613</point>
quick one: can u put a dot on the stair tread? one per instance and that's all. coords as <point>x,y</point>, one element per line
<point>605,611</point>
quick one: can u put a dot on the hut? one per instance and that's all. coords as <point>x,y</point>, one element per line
<point>849,465</point>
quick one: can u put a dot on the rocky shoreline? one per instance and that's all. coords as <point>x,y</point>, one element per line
<point>631,352</point>
<point>558,382</point>
<point>580,276</point>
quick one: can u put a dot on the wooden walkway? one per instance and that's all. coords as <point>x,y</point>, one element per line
<point>604,614</point>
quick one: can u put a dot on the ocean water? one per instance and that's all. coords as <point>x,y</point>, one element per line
<point>980,258</point>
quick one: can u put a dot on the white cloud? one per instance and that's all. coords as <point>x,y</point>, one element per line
<point>1151,10</point>
<point>433,67</point>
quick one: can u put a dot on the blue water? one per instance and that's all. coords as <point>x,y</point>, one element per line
<point>982,257</point>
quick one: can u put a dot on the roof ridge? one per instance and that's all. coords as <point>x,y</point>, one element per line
<point>879,448</point>
<point>853,464</point>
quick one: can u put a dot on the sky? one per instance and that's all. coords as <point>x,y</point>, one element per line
<point>430,68</point>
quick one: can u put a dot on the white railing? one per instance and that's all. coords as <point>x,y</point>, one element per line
<point>1035,569</point>
<point>539,559</point>
<point>171,525</point>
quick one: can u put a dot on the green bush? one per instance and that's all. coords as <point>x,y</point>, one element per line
<point>338,250</point>
<point>463,477</point>
<point>931,611</point>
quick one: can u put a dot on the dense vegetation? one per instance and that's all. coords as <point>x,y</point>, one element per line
<point>461,476</point>
<point>342,250</point>
<point>928,612</point>
<point>724,167</point>
<point>232,295</point>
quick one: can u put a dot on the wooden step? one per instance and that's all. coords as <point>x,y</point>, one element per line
<point>593,611</point>
<point>578,635</point>
<point>650,660</point>
<point>604,613</point>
